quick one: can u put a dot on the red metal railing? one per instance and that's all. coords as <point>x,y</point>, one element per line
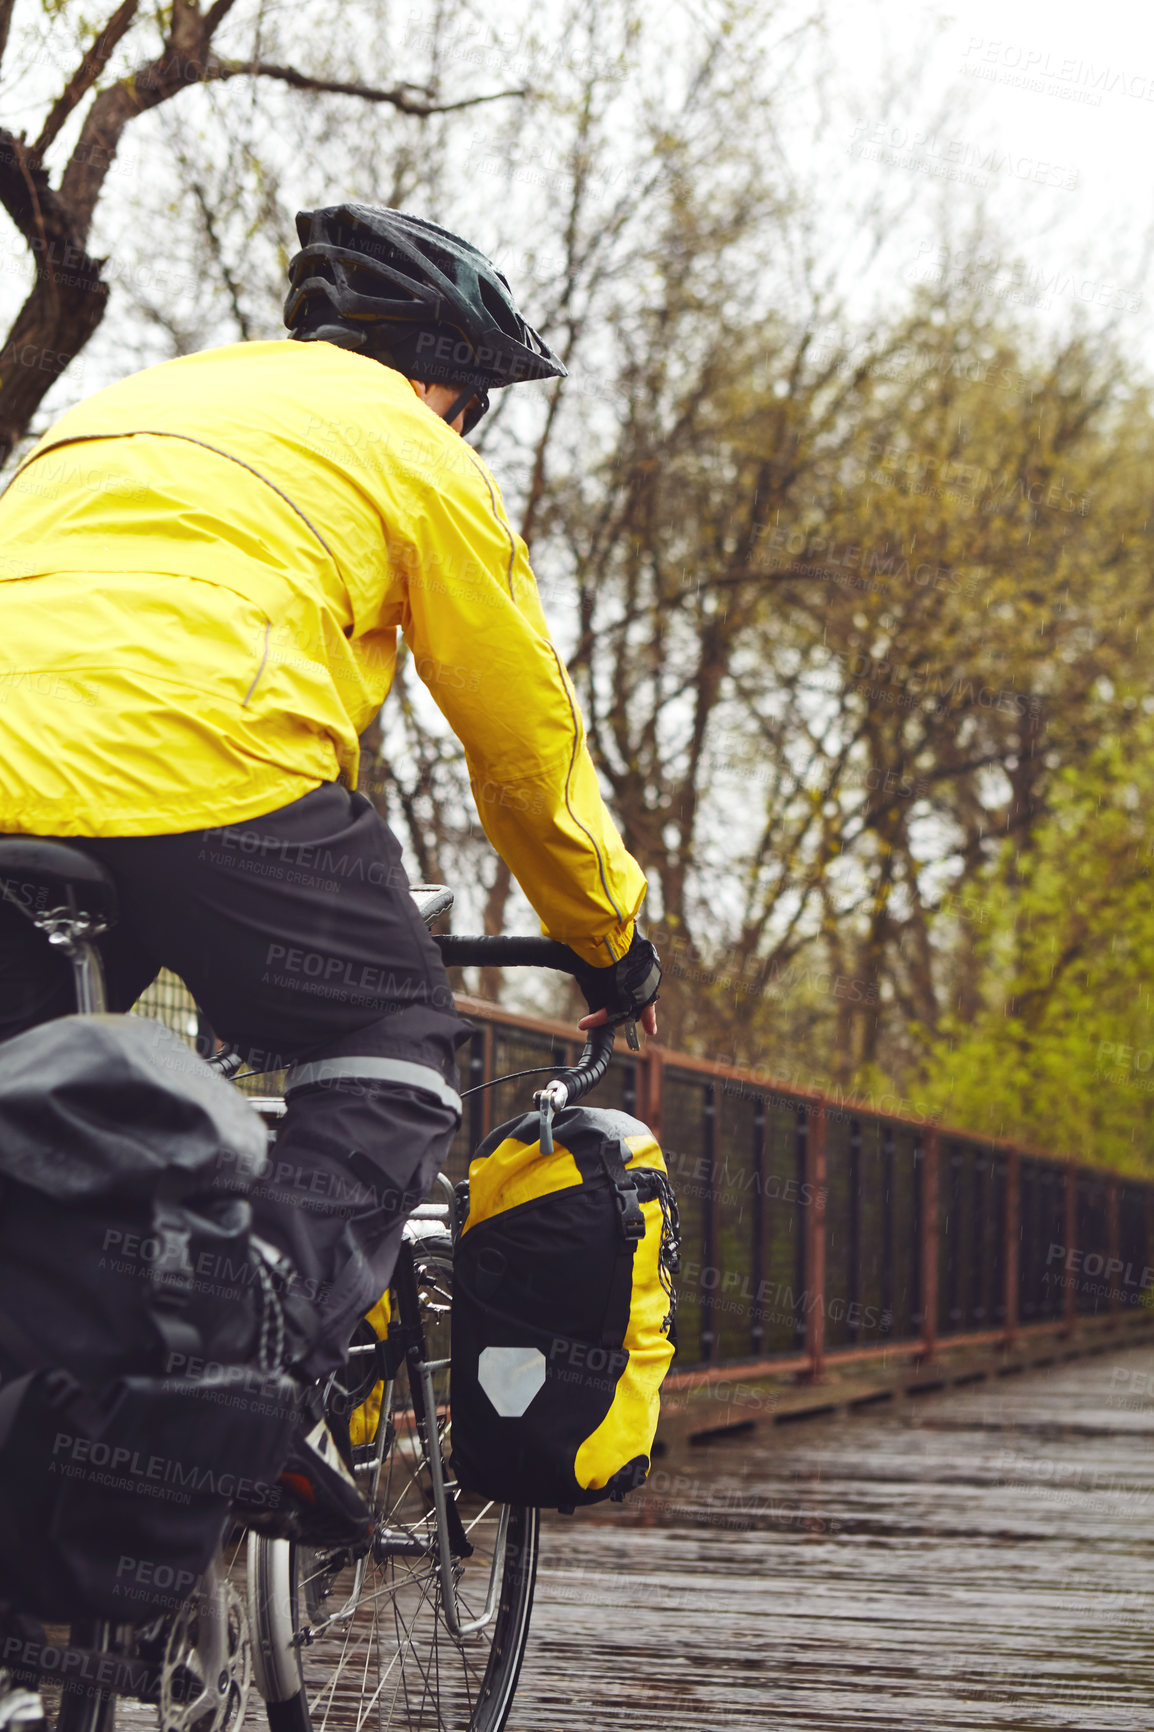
<point>818,1230</point>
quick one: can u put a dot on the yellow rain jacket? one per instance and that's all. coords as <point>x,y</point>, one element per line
<point>203,570</point>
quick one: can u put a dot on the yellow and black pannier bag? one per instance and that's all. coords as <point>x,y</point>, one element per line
<point>562,1310</point>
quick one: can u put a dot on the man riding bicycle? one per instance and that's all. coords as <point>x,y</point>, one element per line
<point>205,568</point>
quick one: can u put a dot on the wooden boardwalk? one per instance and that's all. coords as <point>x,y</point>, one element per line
<point>979,1559</point>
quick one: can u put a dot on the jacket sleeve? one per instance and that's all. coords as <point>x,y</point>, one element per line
<point>480,642</point>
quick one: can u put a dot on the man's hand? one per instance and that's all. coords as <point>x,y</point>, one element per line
<point>626,989</point>
<point>647,1019</point>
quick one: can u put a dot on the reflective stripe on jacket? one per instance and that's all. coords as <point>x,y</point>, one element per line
<point>203,570</point>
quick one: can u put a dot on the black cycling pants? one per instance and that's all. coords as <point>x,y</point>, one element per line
<point>297,935</point>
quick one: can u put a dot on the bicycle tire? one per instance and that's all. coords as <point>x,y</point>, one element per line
<point>92,1711</point>
<point>370,1649</point>
<point>204,1646</point>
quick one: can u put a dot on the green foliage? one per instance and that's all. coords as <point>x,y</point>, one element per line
<point>79,20</point>
<point>1060,1051</point>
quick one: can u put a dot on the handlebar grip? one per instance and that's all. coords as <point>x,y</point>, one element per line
<point>592,1064</point>
<point>497,951</point>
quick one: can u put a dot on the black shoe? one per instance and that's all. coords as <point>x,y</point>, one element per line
<point>319,1502</point>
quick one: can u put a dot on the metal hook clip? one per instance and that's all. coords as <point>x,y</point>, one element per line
<point>545,1123</point>
<point>552,1098</point>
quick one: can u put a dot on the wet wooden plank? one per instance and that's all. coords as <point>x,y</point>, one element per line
<point>977,1559</point>
<point>723,1399</point>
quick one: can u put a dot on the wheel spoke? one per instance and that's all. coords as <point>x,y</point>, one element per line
<point>376,1654</point>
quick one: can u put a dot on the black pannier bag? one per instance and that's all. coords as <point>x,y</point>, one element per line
<point>562,1323</point>
<point>140,1389</point>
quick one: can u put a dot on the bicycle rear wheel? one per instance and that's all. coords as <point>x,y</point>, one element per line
<point>201,1656</point>
<point>369,1646</point>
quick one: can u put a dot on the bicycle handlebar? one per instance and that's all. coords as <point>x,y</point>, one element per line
<point>592,1064</point>
<point>571,1084</point>
<point>497,951</point>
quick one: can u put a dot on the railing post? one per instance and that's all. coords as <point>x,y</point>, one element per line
<point>928,1250</point>
<point>709,1311</point>
<point>487,1094</point>
<point>1114,1255</point>
<point>479,1054</point>
<point>757,1228</point>
<point>815,1241</point>
<point>1070,1291</point>
<point>1013,1246</point>
<point>654,1062</point>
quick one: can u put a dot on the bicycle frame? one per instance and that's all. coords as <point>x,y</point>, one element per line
<point>421,1374</point>
<point>428,1219</point>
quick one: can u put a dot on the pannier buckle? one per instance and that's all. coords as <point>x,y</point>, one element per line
<point>629,1207</point>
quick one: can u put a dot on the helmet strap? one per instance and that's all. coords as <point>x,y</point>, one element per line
<point>462,402</point>
<point>470,394</point>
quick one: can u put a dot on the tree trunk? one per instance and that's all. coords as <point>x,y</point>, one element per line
<point>67,300</point>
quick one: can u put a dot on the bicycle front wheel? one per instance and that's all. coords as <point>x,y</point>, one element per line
<point>379,1644</point>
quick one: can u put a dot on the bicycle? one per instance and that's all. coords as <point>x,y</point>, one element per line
<point>427,1631</point>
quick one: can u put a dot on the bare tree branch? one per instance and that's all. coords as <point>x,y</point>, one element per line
<point>83,178</point>
<point>217,12</point>
<point>6,7</point>
<point>212,234</point>
<point>68,298</point>
<point>398,97</point>
<point>86,74</point>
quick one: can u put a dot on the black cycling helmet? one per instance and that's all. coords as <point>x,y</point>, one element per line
<point>414,296</point>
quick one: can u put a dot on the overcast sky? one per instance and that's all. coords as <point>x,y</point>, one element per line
<point>1052,120</point>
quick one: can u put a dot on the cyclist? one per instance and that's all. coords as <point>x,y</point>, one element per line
<point>204,571</point>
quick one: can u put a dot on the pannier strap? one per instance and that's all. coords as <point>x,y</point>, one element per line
<point>171,1284</point>
<point>624,1192</point>
<point>395,1070</point>
<point>632,1224</point>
